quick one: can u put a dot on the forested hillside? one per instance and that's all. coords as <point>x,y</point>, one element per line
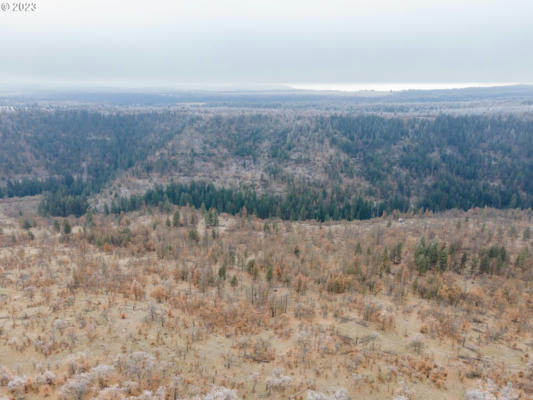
<point>86,145</point>
<point>328,161</point>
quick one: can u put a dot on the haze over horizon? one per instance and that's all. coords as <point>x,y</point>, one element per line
<point>234,43</point>
<point>341,87</point>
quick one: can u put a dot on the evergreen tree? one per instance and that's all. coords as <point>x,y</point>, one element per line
<point>176,219</point>
<point>67,229</point>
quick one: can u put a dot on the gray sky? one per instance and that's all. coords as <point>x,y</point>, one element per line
<point>200,42</point>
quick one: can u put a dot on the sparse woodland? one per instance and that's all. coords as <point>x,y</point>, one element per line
<point>182,303</point>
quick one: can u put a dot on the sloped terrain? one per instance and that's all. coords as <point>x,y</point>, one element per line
<point>433,163</point>
<point>184,305</point>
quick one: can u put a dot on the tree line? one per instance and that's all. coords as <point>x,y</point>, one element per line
<point>300,203</point>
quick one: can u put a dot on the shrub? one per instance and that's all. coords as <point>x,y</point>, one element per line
<point>339,394</point>
<point>194,236</point>
<point>159,293</point>
<point>221,393</point>
<point>76,387</point>
<point>277,380</point>
<point>417,343</point>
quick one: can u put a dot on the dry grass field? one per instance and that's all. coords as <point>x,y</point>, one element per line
<point>156,305</point>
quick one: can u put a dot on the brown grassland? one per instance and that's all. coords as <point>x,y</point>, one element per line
<point>148,306</point>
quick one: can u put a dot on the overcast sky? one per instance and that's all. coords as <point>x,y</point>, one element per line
<point>200,42</point>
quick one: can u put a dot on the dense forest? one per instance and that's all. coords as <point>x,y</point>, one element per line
<point>354,166</point>
<point>73,154</point>
<point>300,203</point>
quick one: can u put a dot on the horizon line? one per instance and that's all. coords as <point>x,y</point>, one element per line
<point>339,87</point>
